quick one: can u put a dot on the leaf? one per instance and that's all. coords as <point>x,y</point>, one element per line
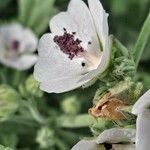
<point>36,14</point>
<point>142,40</point>
<point>24,9</point>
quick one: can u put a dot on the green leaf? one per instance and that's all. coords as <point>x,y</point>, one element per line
<point>36,14</point>
<point>141,41</point>
<point>24,10</point>
<point>9,139</point>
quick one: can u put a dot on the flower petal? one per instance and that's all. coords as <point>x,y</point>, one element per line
<point>100,19</point>
<point>29,41</point>
<point>83,19</point>
<point>54,64</point>
<point>142,104</point>
<point>86,145</point>
<point>116,135</point>
<point>10,33</point>
<point>143,130</point>
<point>105,60</point>
<point>21,63</point>
<point>81,23</point>
<point>60,85</point>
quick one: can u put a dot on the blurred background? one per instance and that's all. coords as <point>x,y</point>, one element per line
<point>65,114</point>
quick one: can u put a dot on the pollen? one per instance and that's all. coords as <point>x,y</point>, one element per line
<point>68,44</point>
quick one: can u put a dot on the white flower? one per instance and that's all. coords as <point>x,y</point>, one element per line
<point>115,138</point>
<point>77,50</point>
<point>142,110</point>
<point>17,45</point>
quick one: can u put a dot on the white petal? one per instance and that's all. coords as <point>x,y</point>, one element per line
<point>53,63</point>
<point>86,145</point>
<point>61,21</point>
<point>81,23</point>
<point>100,19</point>
<point>12,32</point>
<point>15,32</point>
<point>143,103</point>
<point>104,63</point>
<point>21,63</point>
<point>29,41</point>
<point>116,135</point>
<point>123,147</point>
<point>2,47</point>
<point>143,131</point>
<point>83,19</point>
<point>60,85</point>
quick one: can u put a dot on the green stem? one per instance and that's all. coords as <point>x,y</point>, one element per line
<point>16,77</point>
<point>3,72</point>
<point>121,47</point>
<point>35,113</point>
<point>22,120</point>
<point>141,41</point>
<point>79,121</point>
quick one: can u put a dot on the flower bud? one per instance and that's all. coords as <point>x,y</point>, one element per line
<point>70,105</point>
<point>45,138</point>
<point>127,91</point>
<point>9,101</point>
<point>31,87</point>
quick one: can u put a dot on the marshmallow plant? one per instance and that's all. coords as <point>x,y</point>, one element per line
<point>115,138</point>
<point>141,109</point>
<point>77,50</point>
<point>124,139</point>
<point>17,45</point>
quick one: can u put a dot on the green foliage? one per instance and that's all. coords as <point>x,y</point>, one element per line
<point>142,40</point>
<point>5,148</point>
<point>36,14</point>
<point>30,88</point>
<point>9,101</point>
<point>45,138</point>
<point>33,120</point>
<point>70,105</point>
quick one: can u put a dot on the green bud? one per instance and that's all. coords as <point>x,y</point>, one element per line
<point>100,125</point>
<point>32,87</point>
<point>45,138</point>
<point>9,101</point>
<point>127,91</point>
<point>70,105</point>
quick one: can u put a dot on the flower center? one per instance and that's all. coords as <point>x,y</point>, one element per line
<point>12,49</point>
<point>68,44</point>
<point>15,45</point>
